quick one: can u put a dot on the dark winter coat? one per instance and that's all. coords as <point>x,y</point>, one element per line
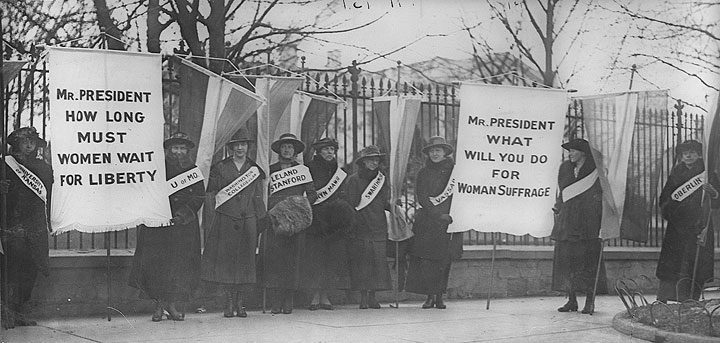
<point>324,262</point>
<point>229,255</point>
<point>280,254</point>
<point>25,240</point>
<point>576,232</point>
<point>578,218</point>
<point>431,240</point>
<point>368,236</point>
<point>685,222</point>
<point>166,264</point>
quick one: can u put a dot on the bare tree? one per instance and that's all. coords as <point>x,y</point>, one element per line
<point>672,36</point>
<point>529,25</point>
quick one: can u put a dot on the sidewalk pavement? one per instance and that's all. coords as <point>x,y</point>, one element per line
<point>508,320</point>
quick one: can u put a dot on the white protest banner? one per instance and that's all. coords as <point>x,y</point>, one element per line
<point>508,154</point>
<point>106,129</point>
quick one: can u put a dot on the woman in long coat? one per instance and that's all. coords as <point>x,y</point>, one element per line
<point>432,248</point>
<point>166,265</point>
<point>577,228</point>
<point>368,191</point>
<point>324,263</point>
<point>229,256</point>
<point>680,205</point>
<point>25,240</point>
<point>281,253</point>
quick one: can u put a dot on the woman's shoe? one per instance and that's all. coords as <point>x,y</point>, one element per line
<point>241,312</point>
<point>172,313</point>
<point>314,307</point>
<point>276,310</point>
<point>158,314</point>
<point>363,300</point>
<point>589,305</point>
<point>287,310</point>
<point>570,306</point>
<point>372,302</point>
<point>429,302</point>
<point>439,302</point>
<point>229,305</point>
<point>326,307</point>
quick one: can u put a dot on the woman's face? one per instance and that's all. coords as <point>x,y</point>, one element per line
<point>328,153</point>
<point>371,163</point>
<point>26,146</point>
<point>179,150</point>
<point>689,157</point>
<point>287,150</point>
<point>239,149</point>
<point>436,154</point>
<point>576,155</point>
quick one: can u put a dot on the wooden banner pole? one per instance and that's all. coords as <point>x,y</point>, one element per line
<point>492,270</point>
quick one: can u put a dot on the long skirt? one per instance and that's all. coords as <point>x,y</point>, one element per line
<point>575,266</point>
<point>427,276</point>
<point>368,265</point>
<point>21,272</point>
<point>166,265</point>
<point>324,263</point>
<point>229,255</point>
<point>279,259</point>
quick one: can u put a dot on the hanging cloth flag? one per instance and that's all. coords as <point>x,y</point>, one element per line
<point>508,155</point>
<point>212,109</point>
<point>396,117</point>
<point>610,127</point>
<point>10,70</point>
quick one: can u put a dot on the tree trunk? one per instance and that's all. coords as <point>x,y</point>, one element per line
<point>153,26</point>
<point>216,31</point>
<point>107,24</point>
<point>549,72</point>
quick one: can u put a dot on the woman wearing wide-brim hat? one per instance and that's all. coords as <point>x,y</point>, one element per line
<point>25,239</point>
<point>166,264</point>
<point>368,191</point>
<point>577,228</point>
<point>280,248</point>
<point>686,222</point>
<point>324,263</point>
<point>432,248</point>
<point>229,256</point>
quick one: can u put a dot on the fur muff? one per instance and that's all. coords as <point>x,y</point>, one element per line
<point>291,215</point>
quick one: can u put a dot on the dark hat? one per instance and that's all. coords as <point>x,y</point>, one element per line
<point>438,141</point>
<point>327,141</point>
<point>578,144</point>
<point>369,151</point>
<point>26,132</point>
<point>288,138</point>
<point>241,135</point>
<point>178,138</point>
<point>689,145</point>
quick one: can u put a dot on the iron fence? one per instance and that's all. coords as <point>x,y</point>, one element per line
<point>27,103</point>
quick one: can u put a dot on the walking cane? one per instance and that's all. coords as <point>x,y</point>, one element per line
<point>597,271</point>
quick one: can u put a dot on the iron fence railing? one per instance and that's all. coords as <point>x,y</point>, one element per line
<point>27,102</point>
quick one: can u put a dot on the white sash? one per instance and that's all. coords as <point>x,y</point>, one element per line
<point>184,180</point>
<point>579,186</point>
<point>289,177</point>
<point>27,177</point>
<point>437,200</point>
<point>333,185</point>
<point>371,191</point>
<point>689,187</point>
<point>236,186</point>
